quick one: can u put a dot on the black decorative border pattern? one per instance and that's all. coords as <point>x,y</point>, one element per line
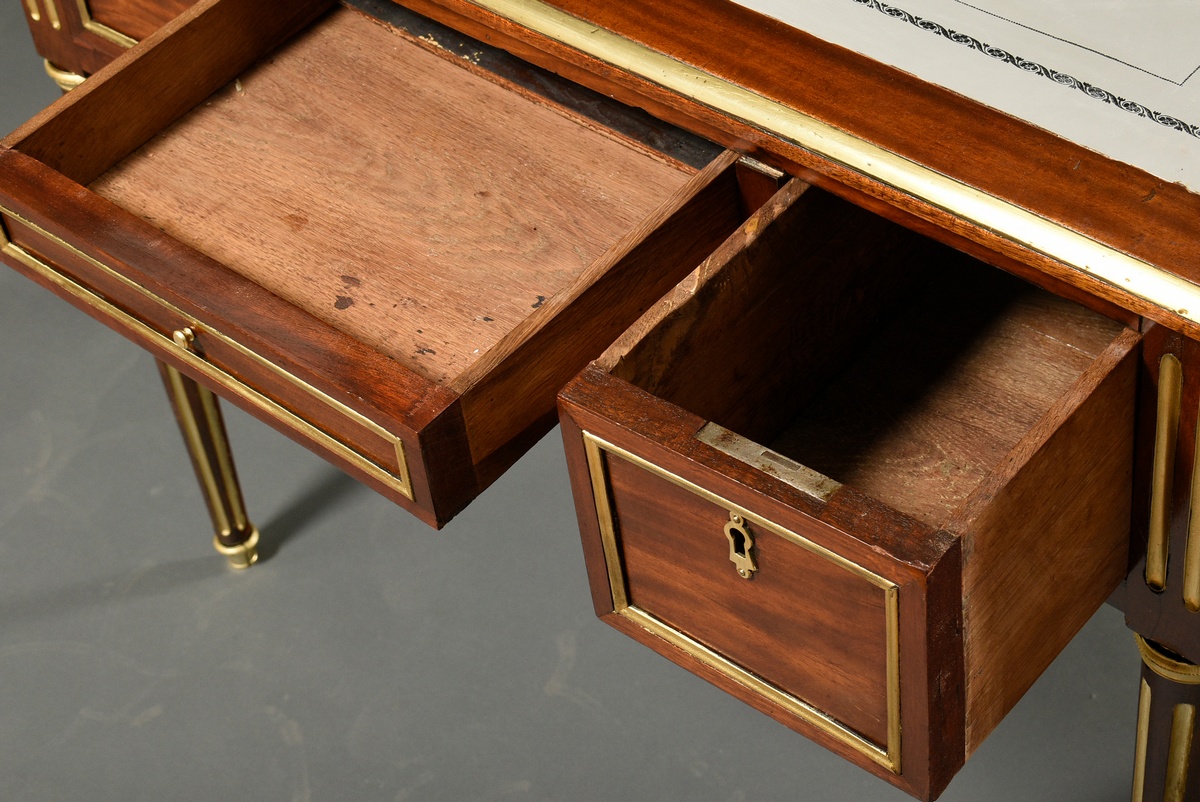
<point>1060,78</point>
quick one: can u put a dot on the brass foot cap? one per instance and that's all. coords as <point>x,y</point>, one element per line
<point>244,554</point>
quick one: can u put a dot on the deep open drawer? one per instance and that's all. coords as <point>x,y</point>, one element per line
<point>861,481</point>
<point>361,233</point>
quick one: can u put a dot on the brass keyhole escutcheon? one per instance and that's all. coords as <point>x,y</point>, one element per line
<point>741,546</point>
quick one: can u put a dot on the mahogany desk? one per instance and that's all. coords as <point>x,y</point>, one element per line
<point>1086,228</point>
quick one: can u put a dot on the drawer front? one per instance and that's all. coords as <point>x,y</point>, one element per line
<point>204,352</point>
<point>767,607</point>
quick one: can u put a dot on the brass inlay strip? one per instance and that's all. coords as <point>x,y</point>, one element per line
<point>195,444</point>
<point>1170,385</point>
<point>65,79</point>
<point>888,755</point>
<point>52,13</point>
<point>398,480</point>
<point>598,471</point>
<point>1183,725</point>
<point>233,493</point>
<point>1166,665</point>
<point>35,13</point>
<point>1143,741</point>
<point>1003,218</point>
<point>1191,555</point>
<point>101,30</point>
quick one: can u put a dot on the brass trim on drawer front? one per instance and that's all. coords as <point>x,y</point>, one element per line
<point>1003,218</point>
<point>888,756</point>
<point>399,480</point>
<point>100,29</point>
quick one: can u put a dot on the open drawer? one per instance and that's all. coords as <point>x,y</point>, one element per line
<point>393,244</point>
<point>857,479</point>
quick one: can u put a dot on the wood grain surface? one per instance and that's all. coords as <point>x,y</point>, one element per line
<point>823,639</point>
<point>147,88</point>
<point>136,18</point>
<point>971,417</point>
<point>1114,203</point>
<point>945,391</point>
<point>391,193</point>
<point>1046,536</point>
<point>925,565</point>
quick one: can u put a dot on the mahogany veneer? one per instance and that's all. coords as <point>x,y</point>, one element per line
<point>380,247</point>
<point>913,442</point>
<point>931,459</point>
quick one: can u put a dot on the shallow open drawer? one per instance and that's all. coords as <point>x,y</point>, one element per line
<point>394,245</point>
<point>859,480</point>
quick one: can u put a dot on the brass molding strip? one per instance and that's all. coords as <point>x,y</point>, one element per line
<point>888,756</point>
<point>101,30</point>
<point>1166,435</point>
<point>1191,555</point>
<point>195,443</point>
<point>1166,665</point>
<point>52,14</point>
<point>399,480</point>
<point>1000,217</point>
<point>65,79</point>
<point>1143,741</point>
<point>35,13</point>
<point>1179,753</point>
<point>598,471</point>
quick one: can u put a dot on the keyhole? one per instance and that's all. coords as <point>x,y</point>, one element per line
<point>737,541</point>
<point>740,546</point>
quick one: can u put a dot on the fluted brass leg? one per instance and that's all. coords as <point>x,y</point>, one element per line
<point>65,79</point>
<point>1165,764</point>
<point>199,419</point>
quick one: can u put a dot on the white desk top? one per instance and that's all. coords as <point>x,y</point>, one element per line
<point>1117,76</point>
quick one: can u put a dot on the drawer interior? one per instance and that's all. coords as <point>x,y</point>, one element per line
<point>394,190</point>
<point>867,353</point>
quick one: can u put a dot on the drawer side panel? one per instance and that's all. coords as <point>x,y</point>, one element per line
<point>1051,544</point>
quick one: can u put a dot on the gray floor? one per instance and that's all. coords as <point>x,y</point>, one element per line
<point>368,657</point>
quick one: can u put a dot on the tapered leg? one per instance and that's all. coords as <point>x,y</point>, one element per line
<point>1166,766</point>
<point>203,430</point>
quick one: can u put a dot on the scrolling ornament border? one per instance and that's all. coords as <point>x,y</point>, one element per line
<point>1060,78</point>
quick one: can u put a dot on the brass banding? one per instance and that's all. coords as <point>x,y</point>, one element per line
<point>1166,665</point>
<point>100,29</point>
<point>209,483</point>
<point>1179,753</point>
<point>1143,741</point>
<point>35,13</point>
<point>1170,387</point>
<point>65,79</point>
<point>52,14</point>
<point>887,755</point>
<point>1005,219</point>
<point>1191,555</point>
